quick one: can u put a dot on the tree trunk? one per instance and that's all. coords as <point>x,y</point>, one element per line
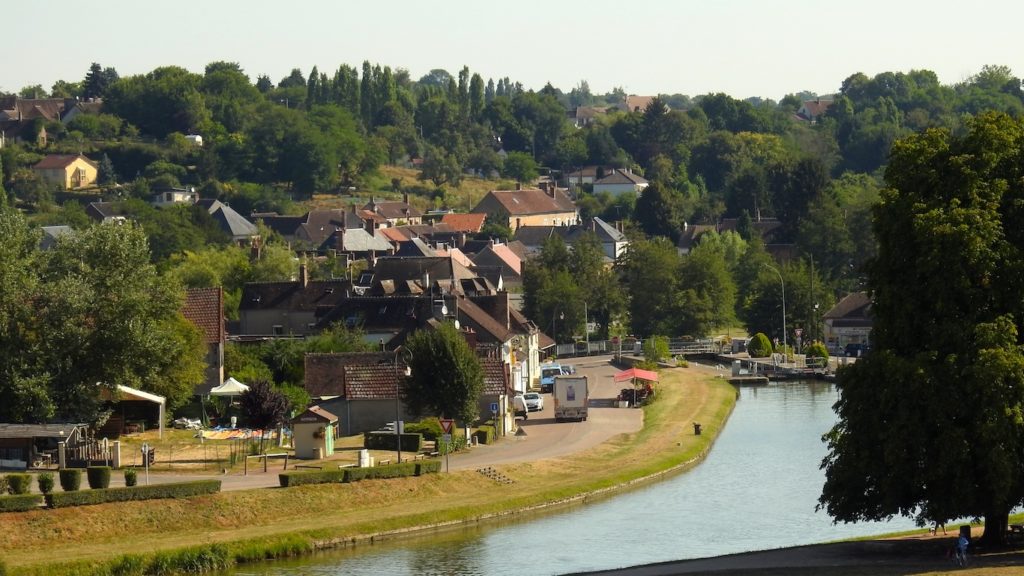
<point>995,529</point>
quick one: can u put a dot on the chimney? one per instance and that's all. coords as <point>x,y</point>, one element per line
<point>405,198</point>
<point>501,309</point>
<point>353,208</point>
<point>519,185</point>
<point>368,226</point>
<point>255,249</point>
<point>550,191</point>
<point>519,223</point>
<point>303,275</point>
<point>593,225</point>
<point>462,240</point>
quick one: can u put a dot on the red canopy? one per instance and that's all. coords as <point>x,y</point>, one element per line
<point>636,373</point>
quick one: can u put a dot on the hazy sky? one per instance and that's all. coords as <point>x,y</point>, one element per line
<point>741,47</point>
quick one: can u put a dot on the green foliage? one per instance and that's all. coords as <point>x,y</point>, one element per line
<point>816,350</point>
<point>131,477</point>
<point>446,375</point>
<point>306,477</point>
<point>265,408</point>
<point>430,429</point>
<point>98,476</point>
<point>951,229</point>
<point>456,444</point>
<point>19,503</point>
<point>656,349</point>
<point>70,479</point>
<point>129,494</point>
<point>520,166</point>
<point>411,442</point>
<point>484,434</point>
<point>19,483</point>
<point>45,482</point>
<point>760,346</point>
<point>348,475</point>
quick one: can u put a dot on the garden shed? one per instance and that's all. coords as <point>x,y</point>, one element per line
<point>313,433</point>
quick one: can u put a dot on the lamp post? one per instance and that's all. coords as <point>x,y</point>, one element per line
<point>406,356</point>
<point>784,345</point>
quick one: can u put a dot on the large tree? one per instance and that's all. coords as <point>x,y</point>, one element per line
<point>931,424</point>
<point>446,376</point>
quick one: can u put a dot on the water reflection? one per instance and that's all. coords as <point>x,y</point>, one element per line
<point>758,489</point>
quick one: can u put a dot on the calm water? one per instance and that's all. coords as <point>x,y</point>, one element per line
<point>756,490</point>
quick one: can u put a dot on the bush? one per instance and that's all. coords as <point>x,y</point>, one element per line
<point>70,479</point>
<point>303,477</point>
<point>429,429</point>
<point>760,346</point>
<point>457,443</point>
<point>157,491</point>
<point>387,471</point>
<point>656,349</point>
<point>131,477</point>
<point>816,350</point>
<point>388,441</point>
<point>19,483</point>
<point>98,476</point>
<point>45,482</point>
<point>428,467</point>
<point>3,484</point>
<point>484,434</point>
<point>20,503</point>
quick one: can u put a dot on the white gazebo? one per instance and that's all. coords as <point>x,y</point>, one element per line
<point>230,387</point>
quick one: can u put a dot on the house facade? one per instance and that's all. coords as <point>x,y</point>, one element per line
<point>848,322</point>
<point>621,182</point>
<point>529,207</point>
<point>69,171</point>
<point>204,308</point>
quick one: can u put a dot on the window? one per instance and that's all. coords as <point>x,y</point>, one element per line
<point>278,330</point>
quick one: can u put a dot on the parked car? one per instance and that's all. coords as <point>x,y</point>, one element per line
<point>857,350</point>
<point>534,401</point>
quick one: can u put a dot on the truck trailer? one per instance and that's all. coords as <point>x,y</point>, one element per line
<point>571,396</point>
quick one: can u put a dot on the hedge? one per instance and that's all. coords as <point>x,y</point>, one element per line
<point>70,479</point>
<point>302,477</point>
<point>484,434</point>
<point>348,475</point>
<point>430,429</point>
<point>19,483</point>
<point>411,442</point>
<point>98,476</point>
<point>156,491</point>
<point>20,503</point>
<point>45,482</point>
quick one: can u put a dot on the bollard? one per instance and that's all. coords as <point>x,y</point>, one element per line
<point>696,428</point>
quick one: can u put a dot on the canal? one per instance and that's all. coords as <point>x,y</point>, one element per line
<point>756,490</point>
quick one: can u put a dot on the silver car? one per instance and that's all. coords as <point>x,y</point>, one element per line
<point>534,401</point>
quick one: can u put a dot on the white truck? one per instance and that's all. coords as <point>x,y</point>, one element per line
<point>571,395</point>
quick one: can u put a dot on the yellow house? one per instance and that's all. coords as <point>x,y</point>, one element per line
<point>67,170</point>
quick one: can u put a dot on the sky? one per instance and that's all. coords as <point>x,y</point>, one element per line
<point>744,48</point>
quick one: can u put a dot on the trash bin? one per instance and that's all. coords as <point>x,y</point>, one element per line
<point>318,453</point>
<point>696,428</point>
<point>364,458</point>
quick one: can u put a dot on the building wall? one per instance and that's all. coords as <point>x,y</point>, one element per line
<point>263,322</point>
<point>553,219</point>
<point>616,189</point>
<point>76,175</point>
<point>305,441</point>
<point>358,416</point>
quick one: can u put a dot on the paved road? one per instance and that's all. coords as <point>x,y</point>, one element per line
<point>545,438</point>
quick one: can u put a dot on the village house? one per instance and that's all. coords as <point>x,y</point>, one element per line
<point>621,182</point>
<point>529,207</point>
<point>69,171</point>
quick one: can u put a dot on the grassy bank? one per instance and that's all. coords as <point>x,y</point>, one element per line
<point>243,526</point>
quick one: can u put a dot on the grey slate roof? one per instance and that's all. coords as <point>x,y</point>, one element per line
<point>230,221</point>
<point>355,240</point>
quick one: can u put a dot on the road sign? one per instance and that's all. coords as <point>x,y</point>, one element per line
<point>446,437</point>
<point>494,407</point>
<point>798,331</point>
<point>446,425</point>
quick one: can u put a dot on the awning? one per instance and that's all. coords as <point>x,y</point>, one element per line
<point>126,393</point>
<point>230,387</point>
<point>638,374</point>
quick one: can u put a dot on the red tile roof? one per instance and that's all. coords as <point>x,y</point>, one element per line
<point>464,222</point>
<point>204,307</point>
<point>57,161</point>
<point>496,376</point>
<point>525,202</point>
<point>371,381</point>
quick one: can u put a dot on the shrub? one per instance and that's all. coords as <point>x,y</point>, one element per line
<point>157,491</point>
<point>816,350</point>
<point>19,483</point>
<point>429,429</point>
<point>457,443</point>
<point>760,346</point>
<point>656,349</point>
<point>682,363</point>
<point>70,479</point>
<point>45,482</point>
<point>484,434</point>
<point>303,477</point>
<point>3,484</point>
<point>20,503</point>
<point>98,476</point>
<point>387,471</point>
<point>388,441</point>
<point>428,467</point>
<point>131,477</point>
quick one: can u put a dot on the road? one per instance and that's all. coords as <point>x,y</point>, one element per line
<point>545,438</point>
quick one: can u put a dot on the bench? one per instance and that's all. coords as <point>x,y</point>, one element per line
<point>384,462</point>
<point>309,466</point>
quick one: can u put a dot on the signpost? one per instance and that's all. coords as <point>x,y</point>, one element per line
<point>145,459</point>
<point>446,437</point>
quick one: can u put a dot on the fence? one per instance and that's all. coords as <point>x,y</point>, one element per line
<point>676,346</point>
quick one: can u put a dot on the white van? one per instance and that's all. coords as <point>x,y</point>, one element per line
<point>519,407</point>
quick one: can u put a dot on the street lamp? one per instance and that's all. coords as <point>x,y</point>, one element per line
<point>784,345</point>
<point>406,357</point>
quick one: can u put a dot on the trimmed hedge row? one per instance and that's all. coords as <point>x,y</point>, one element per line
<point>98,477</point>
<point>156,491</point>
<point>20,502</point>
<point>411,442</point>
<point>484,434</point>
<point>347,475</point>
